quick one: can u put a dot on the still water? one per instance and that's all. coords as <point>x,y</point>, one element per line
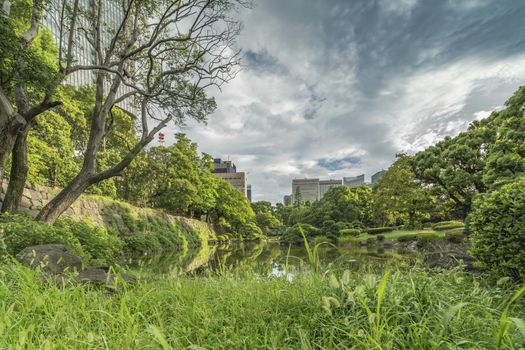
<point>267,259</point>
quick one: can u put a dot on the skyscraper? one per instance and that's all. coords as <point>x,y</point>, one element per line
<point>83,51</point>
<point>354,181</point>
<point>377,176</point>
<point>325,185</point>
<point>305,190</point>
<point>223,166</point>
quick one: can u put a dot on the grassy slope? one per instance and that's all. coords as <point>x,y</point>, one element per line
<point>419,310</point>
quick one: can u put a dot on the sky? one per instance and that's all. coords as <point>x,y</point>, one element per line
<point>333,88</point>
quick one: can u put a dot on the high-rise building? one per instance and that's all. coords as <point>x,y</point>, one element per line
<point>237,180</point>
<point>249,191</point>
<point>223,166</point>
<point>305,190</point>
<point>287,200</point>
<point>377,176</point>
<point>84,52</point>
<point>354,181</point>
<point>325,185</point>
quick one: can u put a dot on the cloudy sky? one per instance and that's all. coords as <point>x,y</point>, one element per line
<point>334,88</point>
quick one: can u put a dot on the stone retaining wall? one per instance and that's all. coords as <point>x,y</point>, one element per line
<point>95,209</point>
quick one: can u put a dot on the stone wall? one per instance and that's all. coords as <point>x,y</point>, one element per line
<point>34,197</point>
<point>100,211</point>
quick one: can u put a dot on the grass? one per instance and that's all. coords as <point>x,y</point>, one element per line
<point>413,309</point>
<point>395,235</point>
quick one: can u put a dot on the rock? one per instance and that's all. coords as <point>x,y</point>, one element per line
<point>96,275</point>
<point>101,275</point>
<point>53,258</point>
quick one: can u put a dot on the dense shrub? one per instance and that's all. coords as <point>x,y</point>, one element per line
<point>102,245</point>
<point>447,225</point>
<point>423,240</point>
<point>407,238</point>
<point>95,245</point>
<point>380,238</point>
<point>20,231</point>
<point>353,232</point>
<point>371,240</point>
<point>251,231</point>
<point>497,229</point>
<point>376,230</point>
<point>294,235</point>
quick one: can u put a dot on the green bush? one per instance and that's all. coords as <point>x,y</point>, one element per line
<point>346,239</point>
<point>353,232</point>
<point>141,242</point>
<point>371,240</point>
<point>426,238</point>
<point>497,230</point>
<point>380,238</point>
<point>102,245</point>
<point>294,235</point>
<point>20,231</point>
<point>454,236</point>
<point>376,230</point>
<point>447,225</point>
<point>407,238</point>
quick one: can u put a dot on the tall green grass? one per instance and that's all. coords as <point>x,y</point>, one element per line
<point>413,309</point>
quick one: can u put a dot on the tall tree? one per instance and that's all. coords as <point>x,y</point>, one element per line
<point>506,159</point>
<point>165,54</point>
<point>456,164</point>
<point>398,196</point>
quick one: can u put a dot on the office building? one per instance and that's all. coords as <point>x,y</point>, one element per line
<point>249,191</point>
<point>83,52</point>
<point>305,190</point>
<point>377,176</point>
<point>325,185</point>
<point>226,166</point>
<point>354,181</point>
<point>237,180</point>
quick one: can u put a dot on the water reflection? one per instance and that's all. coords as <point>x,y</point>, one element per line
<point>268,259</point>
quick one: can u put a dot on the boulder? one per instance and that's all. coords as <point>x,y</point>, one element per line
<point>53,258</point>
<point>101,275</point>
<point>96,275</point>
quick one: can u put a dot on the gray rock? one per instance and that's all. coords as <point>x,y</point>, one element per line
<point>96,275</point>
<point>102,276</point>
<point>53,258</point>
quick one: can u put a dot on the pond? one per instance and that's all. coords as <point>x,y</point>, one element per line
<point>269,258</point>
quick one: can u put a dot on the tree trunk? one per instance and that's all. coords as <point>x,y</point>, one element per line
<point>18,176</point>
<point>58,205</point>
<point>8,135</point>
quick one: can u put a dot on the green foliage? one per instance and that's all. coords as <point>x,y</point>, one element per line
<point>506,158</point>
<point>380,238</point>
<point>407,238</point>
<point>376,230</point>
<point>95,245</point>
<point>232,210</point>
<point>101,245</point>
<point>145,231</point>
<point>21,232</point>
<point>293,234</point>
<point>353,232</point>
<point>455,165</point>
<point>455,236</point>
<point>447,225</point>
<point>398,197</point>
<point>496,228</point>
<point>267,222</point>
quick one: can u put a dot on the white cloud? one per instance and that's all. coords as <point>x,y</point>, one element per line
<point>335,82</point>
